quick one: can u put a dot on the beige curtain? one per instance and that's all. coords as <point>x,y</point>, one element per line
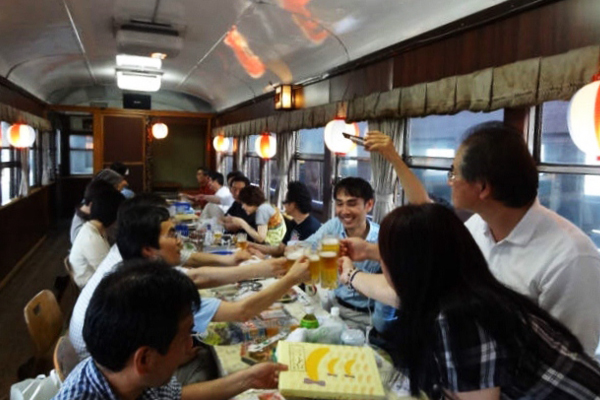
<point>286,147</point>
<point>383,175</point>
<point>520,84</point>
<point>13,115</point>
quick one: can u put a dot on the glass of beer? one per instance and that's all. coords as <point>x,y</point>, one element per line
<point>292,257</point>
<point>218,235</point>
<point>330,243</point>
<point>330,251</point>
<point>314,265</point>
<point>242,241</point>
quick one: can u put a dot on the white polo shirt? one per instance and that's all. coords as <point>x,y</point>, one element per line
<point>551,261</point>
<point>224,194</point>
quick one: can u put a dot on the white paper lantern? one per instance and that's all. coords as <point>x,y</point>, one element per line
<point>160,130</point>
<point>334,138</point>
<point>21,135</point>
<point>266,146</point>
<point>221,143</point>
<point>584,119</point>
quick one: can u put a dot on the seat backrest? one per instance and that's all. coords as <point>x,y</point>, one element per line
<point>44,321</point>
<point>65,357</point>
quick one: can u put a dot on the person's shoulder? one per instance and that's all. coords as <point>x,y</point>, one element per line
<point>313,221</point>
<point>82,384</point>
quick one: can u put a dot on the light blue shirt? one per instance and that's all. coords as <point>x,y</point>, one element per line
<point>383,315</point>
<point>208,309</point>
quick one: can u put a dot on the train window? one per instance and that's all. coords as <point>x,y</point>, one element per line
<point>358,161</point>
<point>253,167</point>
<point>575,197</point>
<point>440,135</point>
<point>556,144</point>
<point>310,162</point>
<point>227,164</point>
<point>81,153</point>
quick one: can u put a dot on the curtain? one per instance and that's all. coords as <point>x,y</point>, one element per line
<point>383,175</point>
<point>47,175</point>
<point>240,160</point>
<point>286,147</point>
<point>24,185</point>
<point>520,84</point>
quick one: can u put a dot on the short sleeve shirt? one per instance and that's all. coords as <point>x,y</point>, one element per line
<point>301,231</point>
<point>263,213</point>
<point>86,382</point>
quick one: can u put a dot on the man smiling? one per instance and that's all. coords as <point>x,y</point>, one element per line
<point>354,199</point>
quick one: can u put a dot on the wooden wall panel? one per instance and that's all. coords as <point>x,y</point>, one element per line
<point>70,193</point>
<point>14,96</point>
<point>123,139</point>
<point>24,223</point>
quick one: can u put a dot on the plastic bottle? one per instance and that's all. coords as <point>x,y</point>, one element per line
<point>309,321</point>
<point>208,236</point>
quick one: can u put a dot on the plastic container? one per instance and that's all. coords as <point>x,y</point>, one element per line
<point>353,337</point>
<point>309,321</point>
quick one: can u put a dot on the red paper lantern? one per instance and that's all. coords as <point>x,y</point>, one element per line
<point>221,143</point>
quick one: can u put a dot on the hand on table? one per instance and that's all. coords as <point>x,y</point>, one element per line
<point>241,256</point>
<point>265,375</point>
<point>255,251</point>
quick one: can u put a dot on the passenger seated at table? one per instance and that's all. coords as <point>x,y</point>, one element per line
<point>354,199</point>
<point>230,177</point>
<point>147,232</point>
<point>238,182</point>
<point>122,170</point>
<point>270,227</point>
<point>462,333</point>
<point>94,188</point>
<point>202,176</point>
<point>297,205</point>
<point>137,330</point>
<point>91,244</point>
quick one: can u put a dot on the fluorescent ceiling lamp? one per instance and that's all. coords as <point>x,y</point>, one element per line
<point>138,81</point>
<point>125,60</point>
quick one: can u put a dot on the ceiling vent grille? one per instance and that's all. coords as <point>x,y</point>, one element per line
<point>145,38</point>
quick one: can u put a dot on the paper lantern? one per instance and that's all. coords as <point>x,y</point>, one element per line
<point>334,138</point>
<point>266,146</point>
<point>584,119</point>
<point>160,130</point>
<point>221,143</point>
<point>21,135</point>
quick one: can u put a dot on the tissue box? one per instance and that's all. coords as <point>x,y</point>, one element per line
<point>323,371</point>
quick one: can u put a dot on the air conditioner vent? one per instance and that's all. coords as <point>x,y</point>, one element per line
<point>144,38</point>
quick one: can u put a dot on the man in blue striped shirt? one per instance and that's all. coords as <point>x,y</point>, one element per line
<point>137,330</point>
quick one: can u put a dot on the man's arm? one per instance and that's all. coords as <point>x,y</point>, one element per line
<point>374,286</point>
<point>207,277</point>
<point>570,294</point>
<point>276,251</point>
<point>413,188</point>
<point>210,198</point>
<point>200,259</point>
<point>260,376</point>
<point>259,234</point>
<point>250,306</point>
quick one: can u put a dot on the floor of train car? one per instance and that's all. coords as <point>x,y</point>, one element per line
<point>40,271</point>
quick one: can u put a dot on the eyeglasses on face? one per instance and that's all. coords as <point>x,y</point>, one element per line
<point>451,173</point>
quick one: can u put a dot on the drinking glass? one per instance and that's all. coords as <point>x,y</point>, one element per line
<point>242,241</point>
<point>329,254</point>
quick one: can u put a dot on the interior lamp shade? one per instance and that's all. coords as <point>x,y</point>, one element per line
<point>335,141</point>
<point>143,82</point>
<point>266,146</point>
<point>21,135</point>
<point>221,143</point>
<point>160,130</point>
<point>584,119</point>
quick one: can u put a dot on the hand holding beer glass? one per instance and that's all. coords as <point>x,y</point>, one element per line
<point>314,264</point>
<point>329,254</point>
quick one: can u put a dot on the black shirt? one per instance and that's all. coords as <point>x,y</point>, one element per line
<point>301,231</point>
<point>236,210</point>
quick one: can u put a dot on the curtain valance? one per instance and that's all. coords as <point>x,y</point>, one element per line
<point>523,83</point>
<point>13,115</point>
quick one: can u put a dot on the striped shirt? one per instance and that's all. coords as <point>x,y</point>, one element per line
<point>86,382</point>
<point>469,359</point>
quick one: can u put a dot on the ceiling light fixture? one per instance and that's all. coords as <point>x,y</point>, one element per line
<point>128,61</point>
<point>144,82</point>
<point>287,97</point>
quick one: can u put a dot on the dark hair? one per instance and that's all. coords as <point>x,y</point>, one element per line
<point>109,176</point>
<point>299,194</point>
<point>356,187</point>
<point>96,188</point>
<point>241,178</point>
<point>435,266</point>
<point>104,208</point>
<point>142,199</point>
<point>203,169</point>
<point>140,304</point>
<point>119,167</point>
<point>233,174</point>
<point>497,154</point>
<point>139,226</point>
<point>217,176</point>
<point>252,196</point>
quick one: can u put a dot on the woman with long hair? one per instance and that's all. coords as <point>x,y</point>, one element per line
<point>462,334</point>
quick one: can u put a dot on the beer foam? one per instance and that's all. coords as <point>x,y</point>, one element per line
<point>328,254</point>
<point>330,241</point>
<point>294,256</point>
<point>313,257</point>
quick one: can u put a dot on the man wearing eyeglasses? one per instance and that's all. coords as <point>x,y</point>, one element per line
<point>528,247</point>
